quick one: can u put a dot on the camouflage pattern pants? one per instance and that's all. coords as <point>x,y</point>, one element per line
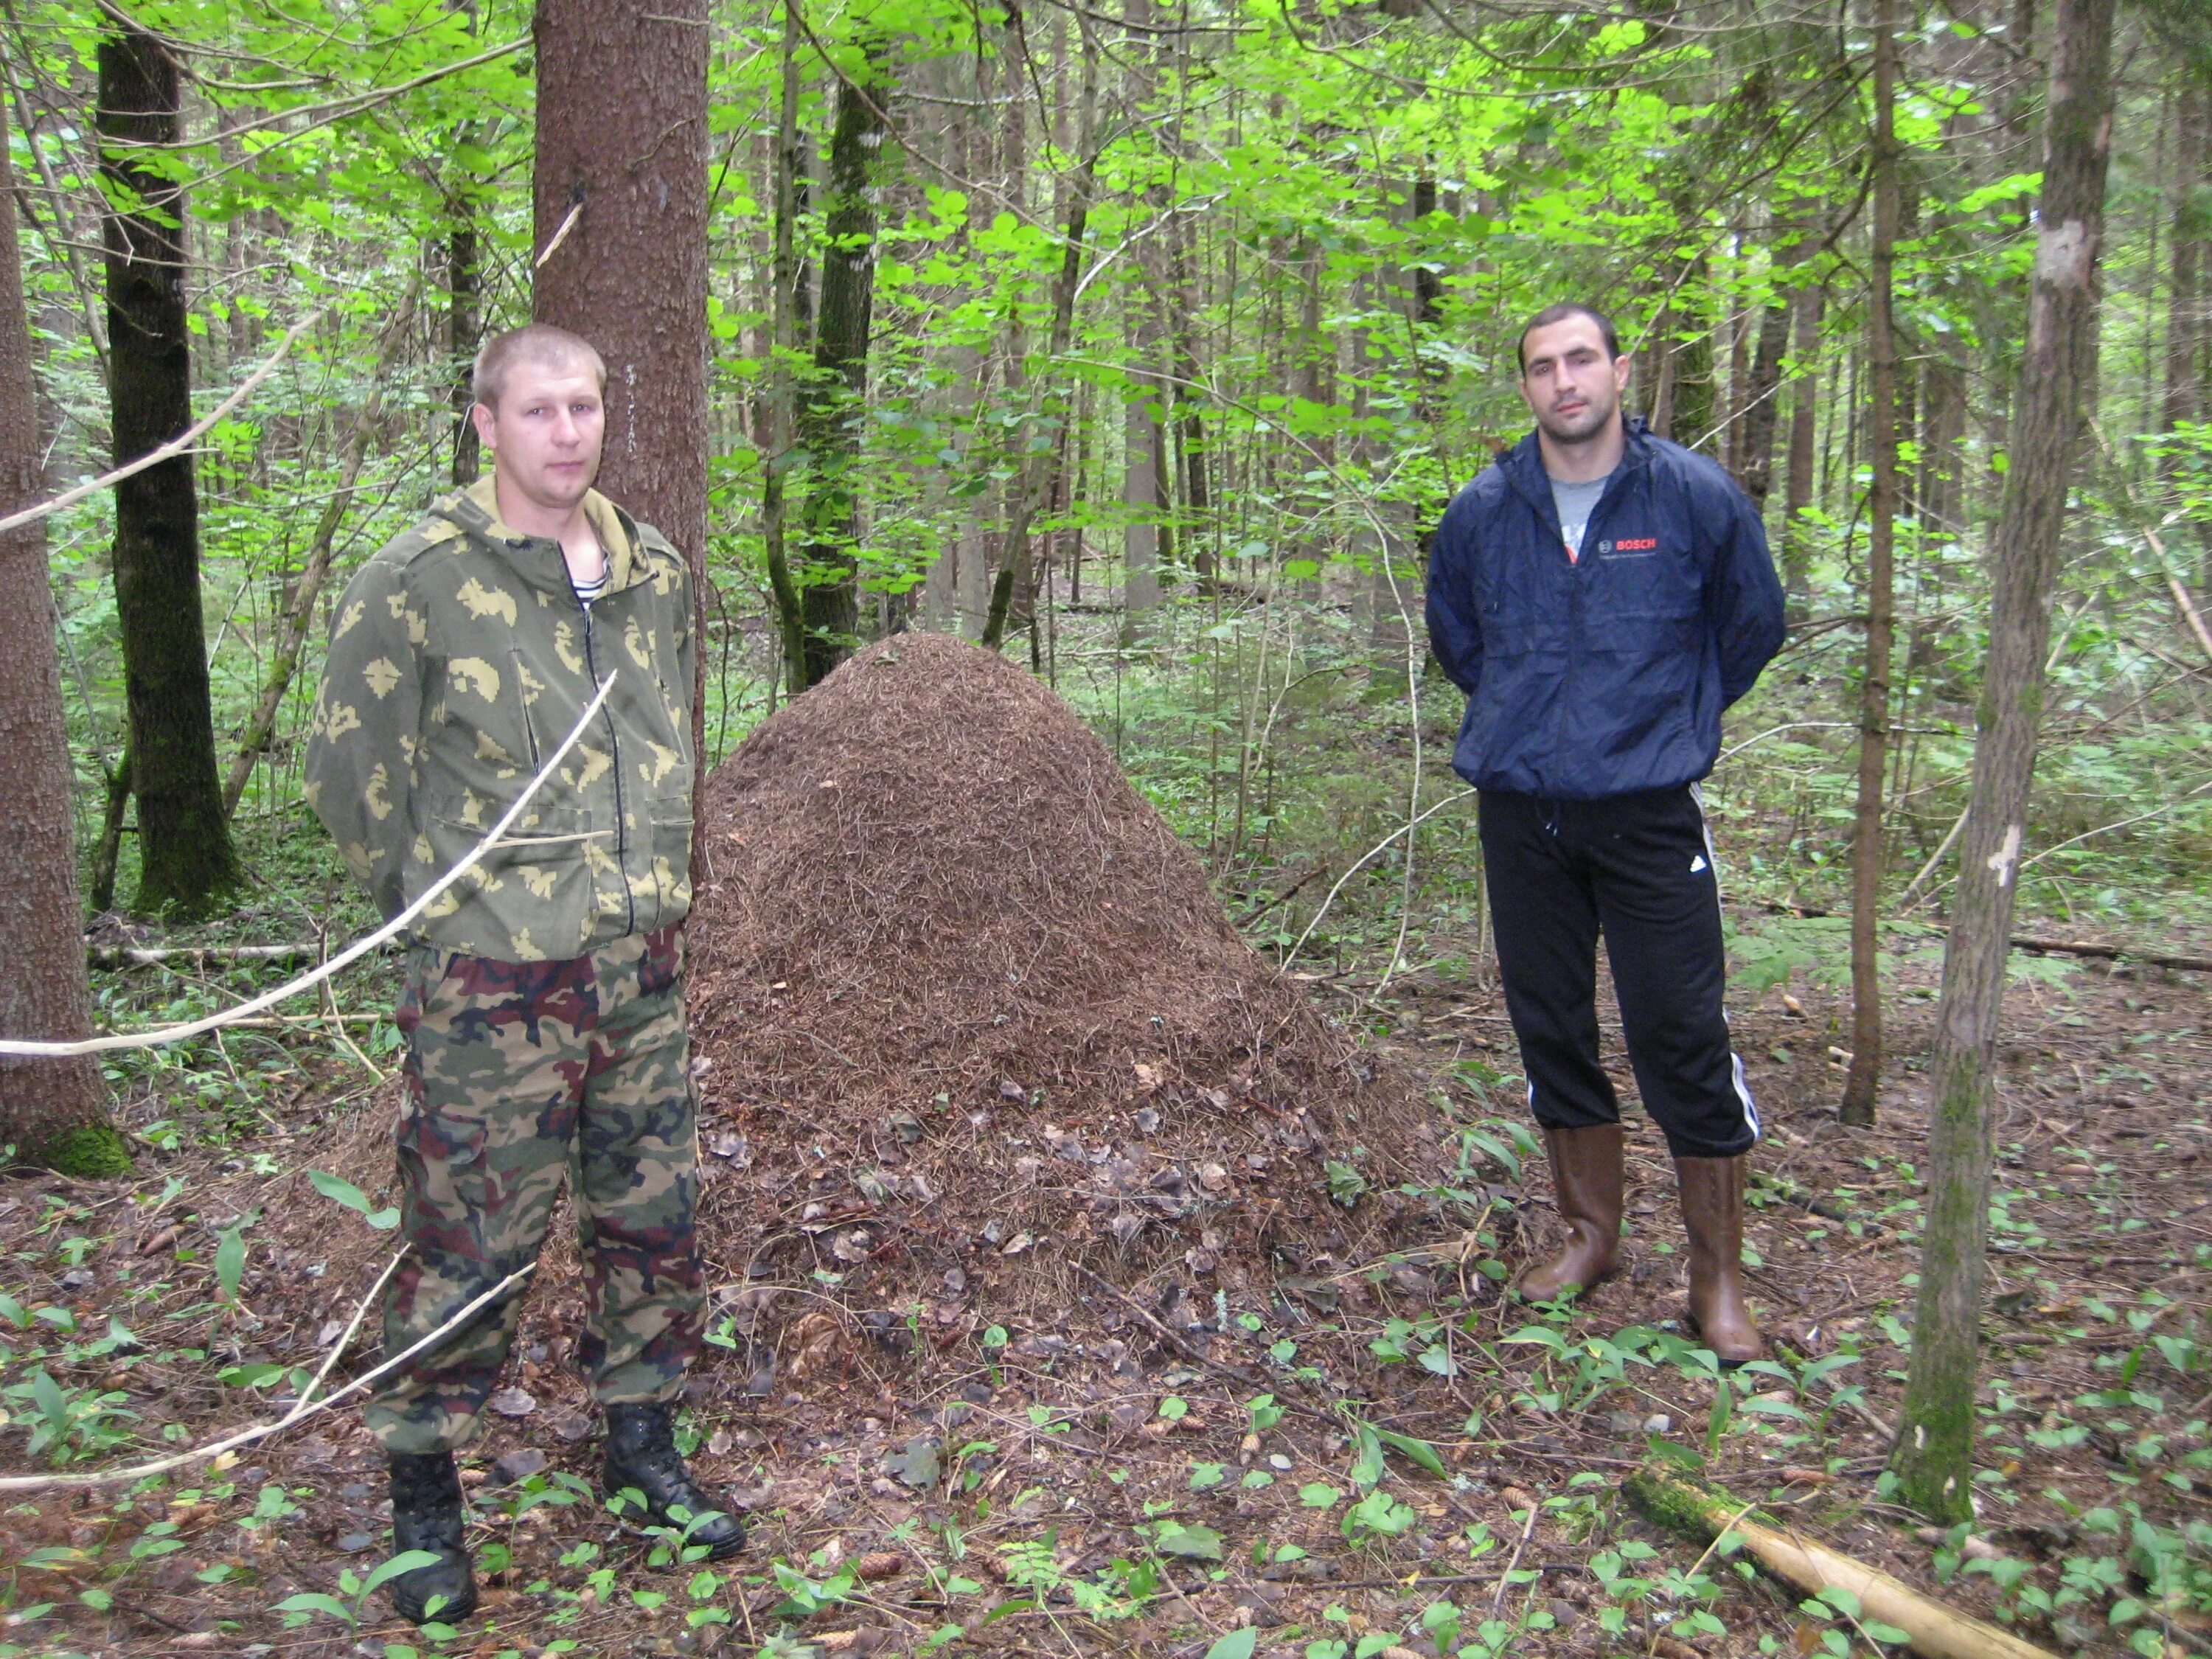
<point>517,1074</point>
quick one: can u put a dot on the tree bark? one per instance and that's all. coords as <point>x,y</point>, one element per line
<point>622,143</point>
<point>2188,329</point>
<point>293,628</point>
<point>1190,445</point>
<point>52,1112</point>
<point>463,327</point>
<point>1941,507</point>
<point>1144,474</point>
<point>1862,1083</point>
<point>1761,412</point>
<point>831,413</point>
<point>1934,1453</point>
<point>1798,490</point>
<point>186,863</point>
<point>1041,467</point>
<point>782,396</point>
<point>108,851</point>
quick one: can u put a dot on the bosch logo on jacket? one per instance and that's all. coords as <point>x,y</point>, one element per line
<point>1604,674</point>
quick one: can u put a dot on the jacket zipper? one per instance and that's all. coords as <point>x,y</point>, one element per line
<point>1547,513</point>
<point>614,746</point>
<point>522,694</point>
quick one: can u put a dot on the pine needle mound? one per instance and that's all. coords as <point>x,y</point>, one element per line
<point>966,1008</point>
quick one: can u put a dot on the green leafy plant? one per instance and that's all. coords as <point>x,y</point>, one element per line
<point>307,1605</point>
<point>344,1191</point>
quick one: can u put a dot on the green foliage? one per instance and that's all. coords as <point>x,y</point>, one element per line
<point>344,1191</point>
<point>307,1605</point>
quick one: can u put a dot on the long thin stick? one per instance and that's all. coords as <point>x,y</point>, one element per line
<point>345,958</point>
<point>176,446</point>
<point>1291,955</point>
<point>1505,1578</point>
<point>345,1338</point>
<point>299,1414</point>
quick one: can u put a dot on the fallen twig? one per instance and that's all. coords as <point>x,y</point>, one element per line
<point>2062,947</point>
<point>1505,1578</point>
<point>148,956</point>
<point>1933,1630</point>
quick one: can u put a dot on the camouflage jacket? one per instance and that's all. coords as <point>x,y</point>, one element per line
<point>459,659</point>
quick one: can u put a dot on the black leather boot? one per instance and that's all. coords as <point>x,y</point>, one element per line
<point>642,1455</point>
<point>426,1515</point>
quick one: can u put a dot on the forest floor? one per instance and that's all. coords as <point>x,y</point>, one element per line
<point>1103,1481</point>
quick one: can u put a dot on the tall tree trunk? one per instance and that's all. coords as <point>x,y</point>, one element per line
<point>1144,477</point>
<point>621,143</point>
<point>1689,379</point>
<point>464,325</point>
<point>186,864</point>
<point>1200,532</point>
<point>782,398</point>
<point>831,411</point>
<point>1041,467</point>
<point>1940,508</point>
<point>1804,433</point>
<point>1934,1454</point>
<point>1761,412</point>
<point>2186,327</point>
<point>1140,501</point>
<point>1862,1083</point>
<point>292,629</point>
<point>53,1112</point>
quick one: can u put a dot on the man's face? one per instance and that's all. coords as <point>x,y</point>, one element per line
<point>546,435</point>
<point>1568,382</point>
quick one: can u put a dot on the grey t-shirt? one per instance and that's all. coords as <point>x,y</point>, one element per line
<point>1575,501</point>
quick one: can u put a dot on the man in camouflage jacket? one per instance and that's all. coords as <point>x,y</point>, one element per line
<point>543,1002</point>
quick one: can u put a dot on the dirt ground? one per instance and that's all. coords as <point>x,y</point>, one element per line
<point>1095,1478</point>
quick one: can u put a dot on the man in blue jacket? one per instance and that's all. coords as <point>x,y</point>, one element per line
<point>1602,595</point>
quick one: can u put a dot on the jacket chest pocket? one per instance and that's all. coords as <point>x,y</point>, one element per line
<point>1523,603</point>
<point>1652,576</point>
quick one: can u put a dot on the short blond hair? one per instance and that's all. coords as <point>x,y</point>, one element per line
<point>540,343</point>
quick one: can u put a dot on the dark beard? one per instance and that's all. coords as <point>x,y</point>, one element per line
<point>1587,426</point>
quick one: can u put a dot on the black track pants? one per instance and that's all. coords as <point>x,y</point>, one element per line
<point>1640,868</point>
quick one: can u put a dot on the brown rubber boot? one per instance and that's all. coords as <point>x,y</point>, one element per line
<point>1713,1214</point>
<point>1586,1183</point>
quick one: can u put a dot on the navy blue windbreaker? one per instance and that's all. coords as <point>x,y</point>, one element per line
<point>1600,676</point>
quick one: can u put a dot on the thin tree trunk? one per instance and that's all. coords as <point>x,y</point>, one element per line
<point>830,415</point>
<point>293,628</point>
<point>621,143</point>
<point>186,863</point>
<point>2186,327</point>
<point>783,334</point>
<point>464,328</point>
<point>53,1112</point>
<point>1804,436</point>
<point>1143,477</point>
<point>1863,1082</point>
<point>1041,468</point>
<point>108,851</point>
<point>1934,1453</point>
<point>1762,414</point>
<point>1190,409</point>
<point>2186,321</point>
<point>1943,428</point>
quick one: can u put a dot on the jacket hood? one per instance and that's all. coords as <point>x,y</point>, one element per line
<point>476,510</point>
<point>1525,459</point>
